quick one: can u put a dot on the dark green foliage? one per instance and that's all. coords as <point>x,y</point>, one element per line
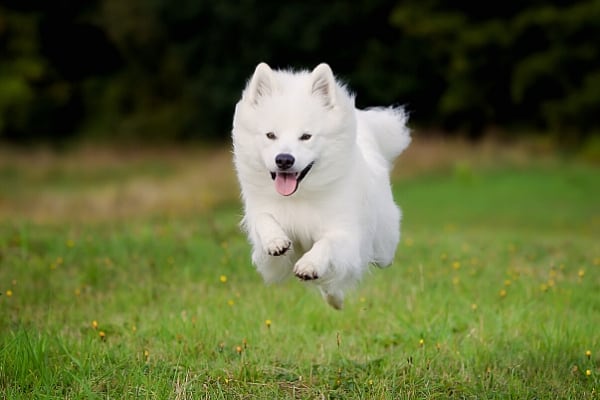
<point>163,70</point>
<point>536,64</point>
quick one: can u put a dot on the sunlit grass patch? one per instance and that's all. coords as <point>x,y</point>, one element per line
<point>493,294</point>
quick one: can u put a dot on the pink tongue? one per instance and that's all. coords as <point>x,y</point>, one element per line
<point>285,184</point>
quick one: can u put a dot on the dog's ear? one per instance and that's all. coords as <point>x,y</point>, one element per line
<point>261,83</point>
<point>323,84</point>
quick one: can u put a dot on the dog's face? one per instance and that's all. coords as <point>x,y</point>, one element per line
<point>289,157</point>
<point>292,122</point>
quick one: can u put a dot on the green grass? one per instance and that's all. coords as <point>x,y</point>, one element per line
<point>494,294</point>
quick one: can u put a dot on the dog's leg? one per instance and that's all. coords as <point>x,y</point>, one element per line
<point>273,269</point>
<point>273,239</point>
<point>314,263</point>
<point>335,298</point>
<point>334,263</point>
<point>334,257</point>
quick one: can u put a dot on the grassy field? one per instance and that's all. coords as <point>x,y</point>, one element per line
<point>123,275</point>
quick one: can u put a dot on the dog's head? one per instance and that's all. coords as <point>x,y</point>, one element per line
<point>292,122</point>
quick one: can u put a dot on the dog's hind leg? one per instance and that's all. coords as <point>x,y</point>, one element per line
<point>333,264</point>
<point>273,269</point>
<point>334,298</point>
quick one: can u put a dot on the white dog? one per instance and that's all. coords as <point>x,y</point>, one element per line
<point>314,174</point>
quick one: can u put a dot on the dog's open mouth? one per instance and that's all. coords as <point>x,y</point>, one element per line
<point>286,183</point>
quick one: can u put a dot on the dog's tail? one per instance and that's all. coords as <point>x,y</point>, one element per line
<point>389,131</point>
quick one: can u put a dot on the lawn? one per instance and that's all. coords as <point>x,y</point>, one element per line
<point>123,274</point>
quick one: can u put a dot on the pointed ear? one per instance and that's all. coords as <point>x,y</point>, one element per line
<point>323,84</point>
<point>261,83</point>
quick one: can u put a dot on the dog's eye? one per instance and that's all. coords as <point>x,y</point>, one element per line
<point>271,135</point>
<point>305,136</point>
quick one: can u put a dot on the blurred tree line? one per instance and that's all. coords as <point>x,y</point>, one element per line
<point>160,69</point>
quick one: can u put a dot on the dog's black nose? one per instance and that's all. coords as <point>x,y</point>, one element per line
<point>284,160</point>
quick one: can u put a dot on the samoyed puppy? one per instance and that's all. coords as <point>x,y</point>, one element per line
<point>314,176</point>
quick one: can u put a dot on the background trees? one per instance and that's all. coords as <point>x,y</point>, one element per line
<point>158,69</point>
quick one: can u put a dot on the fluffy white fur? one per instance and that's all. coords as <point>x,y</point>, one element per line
<point>341,216</point>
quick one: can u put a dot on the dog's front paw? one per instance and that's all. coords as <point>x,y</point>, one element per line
<point>278,246</point>
<point>306,271</point>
